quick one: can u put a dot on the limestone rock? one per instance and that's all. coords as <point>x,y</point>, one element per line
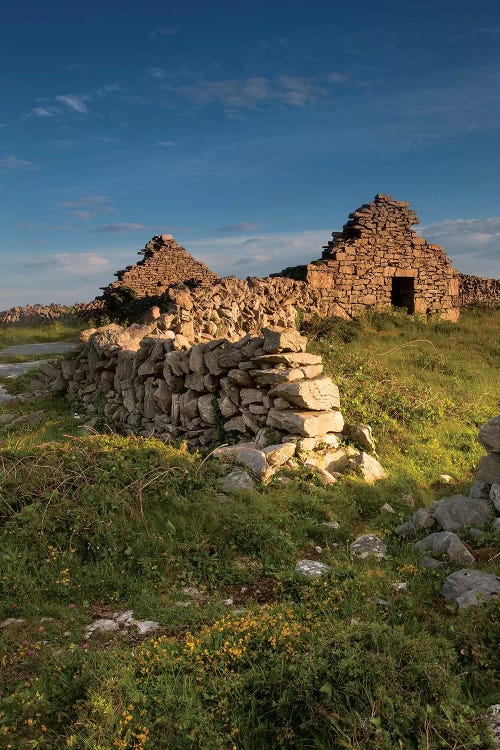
<point>480,490</point>
<point>361,434</point>
<point>489,435</point>
<point>312,568</point>
<point>206,408</point>
<point>495,496</point>
<point>320,394</point>
<point>275,375</point>
<point>446,542</point>
<point>470,587</point>
<point>255,460</point>
<point>292,359</point>
<point>370,468</point>
<point>421,519</point>
<point>305,423</point>
<point>488,470</point>
<point>368,545</point>
<point>236,481</point>
<point>277,455</point>
<point>456,512</point>
<point>430,563</point>
<point>288,340</point>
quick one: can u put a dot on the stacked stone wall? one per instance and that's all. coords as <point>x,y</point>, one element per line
<point>145,379</point>
<point>376,246</point>
<point>36,314</point>
<point>479,292</point>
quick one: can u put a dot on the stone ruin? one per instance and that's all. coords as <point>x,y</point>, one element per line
<point>164,263</point>
<point>262,392</point>
<point>379,261</point>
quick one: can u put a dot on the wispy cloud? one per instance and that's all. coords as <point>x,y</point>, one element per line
<point>74,103</point>
<point>86,207</point>
<point>42,112</point>
<point>164,31</point>
<point>166,143</point>
<point>12,162</point>
<point>156,72</point>
<point>76,264</point>
<point>337,77</point>
<point>121,226</point>
<point>474,243</point>
<point>242,226</point>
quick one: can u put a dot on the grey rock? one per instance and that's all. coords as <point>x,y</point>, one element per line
<point>430,563</point>
<point>489,435</point>
<point>277,455</point>
<point>288,340</point>
<point>6,418</point>
<point>305,423</point>
<point>421,519</point>
<point>470,587</point>
<point>311,568</point>
<point>368,545</point>
<point>446,542</point>
<point>456,512</point>
<point>371,469</point>
<point>146,626</point>
<point>361,434</point>
<point>255,460</point>
<point>488,469</point>
<point>495,496</point>
<point>480,491</point>
<point>386,508</point>
<point>236,481</point>
<point>475,533</point>
<point>495,527</point>
<point>331,524</point>
<point>493,717</point>
<point>320,394</point>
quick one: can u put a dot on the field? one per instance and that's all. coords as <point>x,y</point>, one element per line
<point>248,654</point>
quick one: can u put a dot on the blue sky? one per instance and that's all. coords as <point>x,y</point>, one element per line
<point>247,130</point>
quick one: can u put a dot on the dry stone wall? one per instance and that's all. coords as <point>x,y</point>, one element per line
<point>35,314</point>
<point>147,380</point>
<point>378,260</point>
<point>479,292</point>
<point>164,263</point>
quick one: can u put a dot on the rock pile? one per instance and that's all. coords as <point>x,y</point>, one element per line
<point>35,314</point>
<point>266,392</point>
<point>479,292</point>
<point>164,263</point>
<point>378,260</point>
<point>474,514</point>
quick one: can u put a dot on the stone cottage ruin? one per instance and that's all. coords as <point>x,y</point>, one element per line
<point>379,261</point>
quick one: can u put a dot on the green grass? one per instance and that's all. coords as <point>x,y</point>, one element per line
<point>11,334</point>
<point>96,523</point>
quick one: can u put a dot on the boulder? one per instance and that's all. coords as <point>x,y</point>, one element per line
<point>368,545</point>
<point>488,470</point>
<point>371,469</point>
<point>470,587</point>
<point>312,568</point>
<point>495,496</point>
<point>277,455</point>
<point>361,434</point>
<point>480,490</point>
<point>430,563</point>
<point>446,542</point>
<point>458,511</point>
<point>320,394</point>
<point>489,435</point>
<point>255,460</point>
<point>236,481</point>
<point>288,340</point>
<point>305,423</point>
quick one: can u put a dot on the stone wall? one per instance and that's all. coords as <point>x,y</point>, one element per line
<point>36,314</point>
<point>479,292</point>
<point>145,379</point>
<point>164,263</point>
<point>379,260</point>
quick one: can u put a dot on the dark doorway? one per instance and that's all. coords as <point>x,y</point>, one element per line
<point>403,293</point>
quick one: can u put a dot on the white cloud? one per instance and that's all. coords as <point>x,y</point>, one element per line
<point>120,226</point>
<point>473,244</point>
<point>75,103</point>
<point>166,143</point>
<point>337,77</point>
<point>42,112</point>
<point>242,226</point>
<point>83,215</point>
<point>156,73</point>
<point>12,162</point>
<point>247,255</point>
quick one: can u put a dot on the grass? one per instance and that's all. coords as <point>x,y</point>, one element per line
<point>97,523</point>
<point>11,334</point>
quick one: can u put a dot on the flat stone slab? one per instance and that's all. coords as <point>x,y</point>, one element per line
<point>470,587</point>
<point>311,568</point>
<point>47,347</point>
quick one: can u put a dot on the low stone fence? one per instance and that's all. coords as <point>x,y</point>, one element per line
<point>36,314</point>
<point>157,384</point>
<point>478,292</point>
